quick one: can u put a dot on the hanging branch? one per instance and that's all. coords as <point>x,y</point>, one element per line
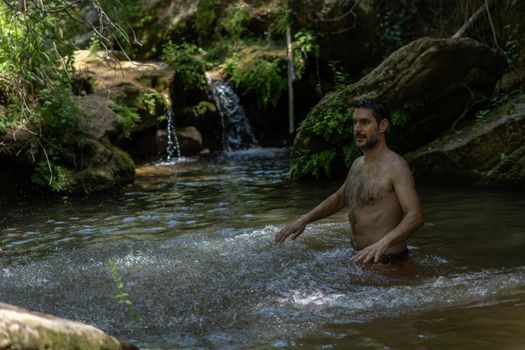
<point>464,30</point>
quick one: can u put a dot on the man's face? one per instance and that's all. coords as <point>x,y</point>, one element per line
<point>366,129</point>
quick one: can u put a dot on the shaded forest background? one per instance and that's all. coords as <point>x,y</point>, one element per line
<point>77,121</point>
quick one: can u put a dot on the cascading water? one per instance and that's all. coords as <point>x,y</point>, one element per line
<point>237,131</point>
<point>173,148</point>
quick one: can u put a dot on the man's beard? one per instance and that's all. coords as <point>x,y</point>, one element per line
<point>370,144</point>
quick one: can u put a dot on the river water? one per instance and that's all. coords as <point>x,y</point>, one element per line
<point>193,245</point>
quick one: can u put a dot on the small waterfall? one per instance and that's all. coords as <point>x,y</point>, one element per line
<point>173,148</point>
<point>237,131</point>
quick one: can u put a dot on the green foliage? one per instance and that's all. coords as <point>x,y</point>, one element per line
<point>260,74</point>
<point>515,38</point>
<point>399,118</point>
<point>304,43</point>
<point>234,22</point>
<point>128,117</point>
<point>326,126</point>
<point>502,102</point>
<point>183,59</point>
<point>340,78</point>
<point>218,53</point>
<point>150,101</point>
<point>208,14</point>
<point>315,164</point>
<point>52,175</point>
<point>332,122</point>
<point>282,20</point>
<point>350,153</point>
<point>32,59</point>
<point>122,296</point>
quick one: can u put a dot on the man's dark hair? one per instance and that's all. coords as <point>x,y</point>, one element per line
<point>379,108</point>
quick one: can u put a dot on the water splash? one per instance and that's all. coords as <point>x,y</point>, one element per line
<point>235,288</point>
<point>237,131</point>
<point>173,147</point>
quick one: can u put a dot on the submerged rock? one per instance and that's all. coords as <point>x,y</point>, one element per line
<point>490,151</point>
<point>22,329</point>
<point>428,84</point>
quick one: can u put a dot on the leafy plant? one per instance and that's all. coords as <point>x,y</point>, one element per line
<point>234,21</point>
<point>150,100</point>
<point>122,296</point>
<point>304,43</point>
<point>327,125</point>
<point>315,164</point>
<point>128,117</point>
<point>260,74</point>
<point>399,118</point>
<point>182,58</point>
<point>340,78</point>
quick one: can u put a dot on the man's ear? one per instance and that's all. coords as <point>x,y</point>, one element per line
<point>383,125</point>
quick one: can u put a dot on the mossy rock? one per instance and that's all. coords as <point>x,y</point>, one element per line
<point>94,165</point>
<point>489,151</point>
<point>427,84</point>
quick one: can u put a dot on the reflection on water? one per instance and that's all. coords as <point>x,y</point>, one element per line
<point>193,242</point>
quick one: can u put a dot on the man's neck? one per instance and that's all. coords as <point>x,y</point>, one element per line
<point>375,153</point>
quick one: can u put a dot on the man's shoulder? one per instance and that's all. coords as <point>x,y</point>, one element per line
<point>397,164</point>
<point>396,159</point>
<point>357,162</point>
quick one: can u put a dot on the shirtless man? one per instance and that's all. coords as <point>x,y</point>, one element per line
<point>383,206</point>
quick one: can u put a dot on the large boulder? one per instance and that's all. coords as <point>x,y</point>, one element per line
<point>22,329</point>
<point>87,164</point>
<point>139,88</point>
<point>490,151</point>
<point>120,99</point>
<point>428,84</point>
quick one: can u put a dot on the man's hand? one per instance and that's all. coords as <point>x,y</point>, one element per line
<point>294,230</point>
<point>372,253</point>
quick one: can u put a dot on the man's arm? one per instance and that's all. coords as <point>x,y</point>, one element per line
<point>404,187</point>
<point>329,206</point>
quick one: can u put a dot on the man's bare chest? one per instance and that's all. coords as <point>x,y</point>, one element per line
<point>366,187</point>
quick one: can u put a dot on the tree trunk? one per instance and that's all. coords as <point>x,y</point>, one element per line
<point>291,78</point>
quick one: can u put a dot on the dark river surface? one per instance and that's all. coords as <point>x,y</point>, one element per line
<point>193,245</point>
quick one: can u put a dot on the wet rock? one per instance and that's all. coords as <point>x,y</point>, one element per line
<point>490,151</point>
<point>153,143</point>
<point>428,84</point>
<point>22,329</point>
<point>190,140</point>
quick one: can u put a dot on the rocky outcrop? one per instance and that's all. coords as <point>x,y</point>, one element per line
<point>121,98</point>
<point>22,329</point>
<point>428,84</point>
<point>489,151</point>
